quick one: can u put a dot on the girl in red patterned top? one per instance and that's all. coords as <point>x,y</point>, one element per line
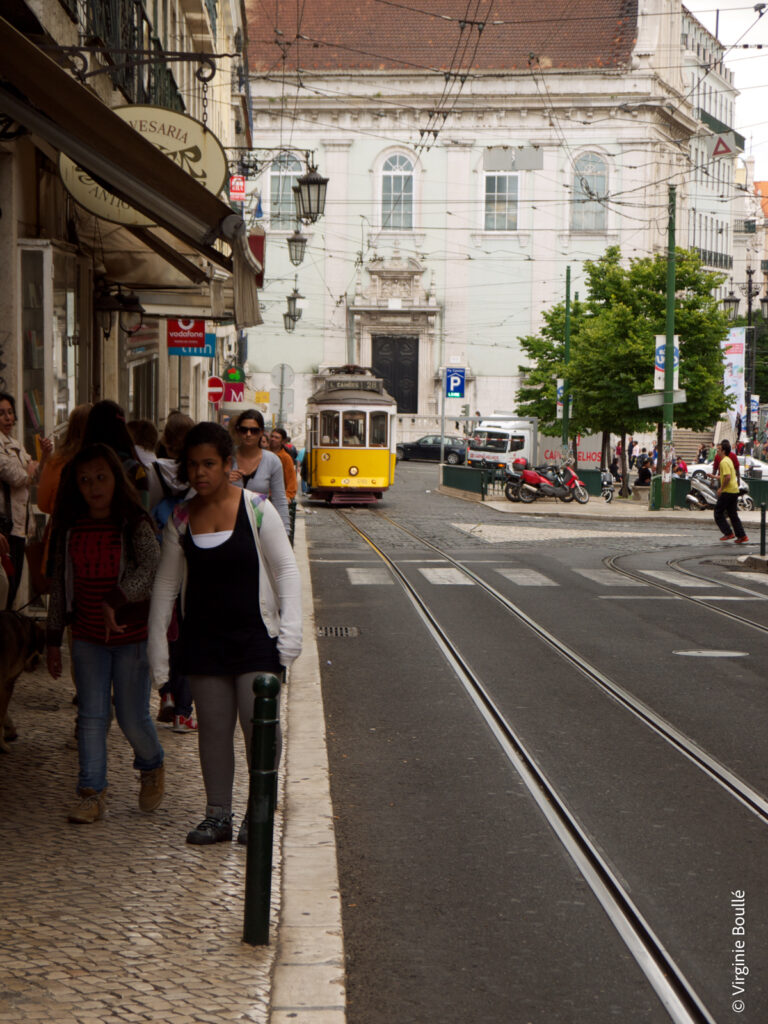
<point>105,554</point>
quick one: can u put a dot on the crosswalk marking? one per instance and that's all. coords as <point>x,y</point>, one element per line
<point>447,576</point>
<point>725,597</point>
<point>754,577</point>
<point>368,577</point>
<point>527,578</point>
<point>609,578</point>
<point>679,580</point>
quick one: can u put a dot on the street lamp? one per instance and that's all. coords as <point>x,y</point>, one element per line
<point>297,244</point>
<point>731,304</point>
<point>105,304</point>
<point>309,195</point>
<point>293,302</point>
<point>288,322</point>
<point>131,317</point>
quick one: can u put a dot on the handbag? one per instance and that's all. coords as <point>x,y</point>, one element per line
<point>6,519</point>
<point>37,559</point>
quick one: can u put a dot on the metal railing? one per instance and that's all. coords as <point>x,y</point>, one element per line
<point>123,27</point>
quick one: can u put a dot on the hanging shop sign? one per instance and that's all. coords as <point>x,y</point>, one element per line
<point>189,338</point>
<point>183,139</point>
<point>237,188</point>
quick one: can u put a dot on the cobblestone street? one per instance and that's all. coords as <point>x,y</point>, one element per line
<point>120,921</point>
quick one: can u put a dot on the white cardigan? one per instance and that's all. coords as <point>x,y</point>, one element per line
<point>279,583</point>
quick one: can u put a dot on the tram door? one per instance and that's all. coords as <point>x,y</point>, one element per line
<point>395,358</point>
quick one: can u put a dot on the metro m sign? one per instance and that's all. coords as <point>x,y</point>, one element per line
<point>186,333</point>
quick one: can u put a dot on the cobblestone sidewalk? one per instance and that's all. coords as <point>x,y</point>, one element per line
<point>120,921</point>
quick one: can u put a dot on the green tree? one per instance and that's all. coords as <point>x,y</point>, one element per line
<point>613,345</point>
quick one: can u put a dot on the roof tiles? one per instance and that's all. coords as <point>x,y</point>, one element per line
<point>384,35</point>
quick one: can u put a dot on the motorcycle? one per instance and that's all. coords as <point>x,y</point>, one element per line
<point>607,485</point>
<point>514,477</point>
<point>551,482</point>
<point>703,495</point>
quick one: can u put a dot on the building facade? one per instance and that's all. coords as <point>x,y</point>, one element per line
<point>469,165</point>
<point>99,216</point>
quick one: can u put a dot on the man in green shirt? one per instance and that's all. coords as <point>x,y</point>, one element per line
<point>727,498</point>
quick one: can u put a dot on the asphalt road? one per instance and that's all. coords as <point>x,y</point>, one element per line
<point>459,902</point>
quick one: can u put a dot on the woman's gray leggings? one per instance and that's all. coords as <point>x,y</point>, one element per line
<point>219,701</point>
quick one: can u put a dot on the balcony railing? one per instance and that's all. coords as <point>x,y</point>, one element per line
<point>720,260</point>
<point>123,26</point>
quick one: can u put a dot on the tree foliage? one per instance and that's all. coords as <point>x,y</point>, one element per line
<point>613,345</point>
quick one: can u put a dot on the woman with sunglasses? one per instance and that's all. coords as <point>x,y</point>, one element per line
<point>255,468</point>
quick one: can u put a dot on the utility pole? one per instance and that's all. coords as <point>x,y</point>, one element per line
<point>669,355</point>
<point>566,357</point>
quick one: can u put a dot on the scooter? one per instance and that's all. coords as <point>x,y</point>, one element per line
<point>607,485</point>
<point>552,482</point>
<point>703,495</point>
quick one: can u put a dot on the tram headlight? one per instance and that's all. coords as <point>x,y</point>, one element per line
<point>353,470</point>
<point>325,457</point>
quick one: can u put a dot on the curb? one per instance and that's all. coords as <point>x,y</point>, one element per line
<point>308,983</point>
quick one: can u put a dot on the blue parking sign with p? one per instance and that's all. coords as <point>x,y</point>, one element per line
<point>454,382</point>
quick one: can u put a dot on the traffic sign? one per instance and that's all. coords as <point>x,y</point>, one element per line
<point>215,390</point>
<point>454,382</point>
<point>281,400</point>
<point>657,398</point>
<point>282,375</point>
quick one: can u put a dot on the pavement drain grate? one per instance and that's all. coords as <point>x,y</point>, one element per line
<point>340,631</point>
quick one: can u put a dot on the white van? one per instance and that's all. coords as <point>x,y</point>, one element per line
<point>497,442</point>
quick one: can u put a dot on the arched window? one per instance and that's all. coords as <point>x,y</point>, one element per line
<point>590,186</point>
<point>397,193</point>
<point>283,176</point>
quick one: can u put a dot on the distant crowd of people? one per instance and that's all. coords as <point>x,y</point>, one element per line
<point>167,560</point>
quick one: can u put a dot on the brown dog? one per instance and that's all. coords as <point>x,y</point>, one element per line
<point>22,641</point>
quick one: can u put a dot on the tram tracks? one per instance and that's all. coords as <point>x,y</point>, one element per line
<point>665,976</point>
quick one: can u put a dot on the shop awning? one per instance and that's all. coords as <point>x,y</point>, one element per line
<point>44,98</point>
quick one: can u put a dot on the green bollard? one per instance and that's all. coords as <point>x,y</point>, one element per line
<point>762,529</point>
<point>262,797</point>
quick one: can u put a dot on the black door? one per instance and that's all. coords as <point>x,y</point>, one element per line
<point>395,358</point>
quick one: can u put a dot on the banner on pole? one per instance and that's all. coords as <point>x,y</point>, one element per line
<point>734,348</point>
<point>658,370</point>
<point>560,392</point>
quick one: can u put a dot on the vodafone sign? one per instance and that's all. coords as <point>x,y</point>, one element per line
<point>186,333</point>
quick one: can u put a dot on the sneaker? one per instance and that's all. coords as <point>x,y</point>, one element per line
<point>242,835</point>
<point>742,540</point>
<point>152,788</point>
<point>211,830</point>
<point>727,536</point>
<point>184,723</point>
<point>91,806</point>
<point>167,707</point>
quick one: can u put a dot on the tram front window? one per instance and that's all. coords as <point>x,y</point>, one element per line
<point>378,430</point>
<point>329,429</point>
<point>353,434</point>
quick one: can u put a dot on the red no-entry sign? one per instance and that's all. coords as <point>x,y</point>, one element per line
<point>215,390</point>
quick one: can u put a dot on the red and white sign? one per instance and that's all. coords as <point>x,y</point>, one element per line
<point>234,391</point>
<point>236,188</point>
<point>186,333</point>
<point>215,390</point>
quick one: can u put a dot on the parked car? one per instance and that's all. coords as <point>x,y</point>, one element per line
<point>747,464</point>
<point>429,448</point>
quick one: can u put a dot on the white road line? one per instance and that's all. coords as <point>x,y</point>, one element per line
<point>639,597</point>
<point>527,578</point>
<point>755,577</point>
<point>609,578</point>
<point>677,578</point>
<point>721,597</point>
<point>369,577</point>
<point>448,576</point>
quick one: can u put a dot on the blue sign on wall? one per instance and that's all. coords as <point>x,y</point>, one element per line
<point>207,351</point>
<point>454,382</point>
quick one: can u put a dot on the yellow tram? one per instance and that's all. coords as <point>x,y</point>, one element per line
<point>350,457</point>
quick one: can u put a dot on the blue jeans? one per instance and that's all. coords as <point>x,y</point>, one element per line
<point>99,669</point>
